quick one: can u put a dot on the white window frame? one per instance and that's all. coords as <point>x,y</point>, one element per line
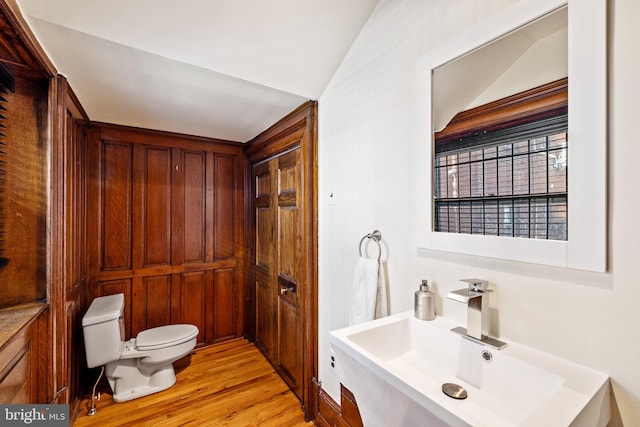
<point>586,247</point>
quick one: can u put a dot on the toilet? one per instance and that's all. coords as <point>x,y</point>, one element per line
<point>140,366</point>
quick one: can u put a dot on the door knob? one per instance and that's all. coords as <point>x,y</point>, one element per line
<point>284,291</point>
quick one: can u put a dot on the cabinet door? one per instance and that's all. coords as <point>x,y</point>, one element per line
<point>23,377</point>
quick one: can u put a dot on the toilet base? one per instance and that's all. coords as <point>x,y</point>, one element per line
<point>127,382</point>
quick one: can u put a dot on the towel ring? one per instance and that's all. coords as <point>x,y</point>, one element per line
<point>375,236</point>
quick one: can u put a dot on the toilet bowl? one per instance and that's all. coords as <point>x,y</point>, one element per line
<point>140,366</point>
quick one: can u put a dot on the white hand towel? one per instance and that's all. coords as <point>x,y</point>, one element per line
<point>381,293</point>
<point>369,292</point>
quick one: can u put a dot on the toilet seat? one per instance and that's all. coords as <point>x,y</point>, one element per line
<point>165,336</point>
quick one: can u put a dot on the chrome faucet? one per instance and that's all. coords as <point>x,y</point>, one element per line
<point>474,295</point>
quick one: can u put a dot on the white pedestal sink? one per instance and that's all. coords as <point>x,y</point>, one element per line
<point>396,367</point>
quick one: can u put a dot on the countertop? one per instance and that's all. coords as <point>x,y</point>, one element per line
<point>14,318</point>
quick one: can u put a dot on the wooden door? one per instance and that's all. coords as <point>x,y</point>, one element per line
<point>289,232</point>
<point>277,267</point>
<point>282,225</point>
<point>264,264</point>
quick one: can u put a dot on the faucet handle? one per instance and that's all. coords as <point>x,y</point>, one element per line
<point>476,285</point>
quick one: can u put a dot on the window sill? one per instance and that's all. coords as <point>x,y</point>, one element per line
<point>547,252</point>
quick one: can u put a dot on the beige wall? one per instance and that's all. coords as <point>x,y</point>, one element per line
<point>367,117</point>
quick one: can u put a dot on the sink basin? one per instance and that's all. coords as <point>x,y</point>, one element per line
<point>396,367</point>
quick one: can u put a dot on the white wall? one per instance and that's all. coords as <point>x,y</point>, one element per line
<point>367,116</point>
<point>544,62</point>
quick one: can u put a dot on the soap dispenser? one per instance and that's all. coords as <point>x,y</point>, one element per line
<point>424,303</point>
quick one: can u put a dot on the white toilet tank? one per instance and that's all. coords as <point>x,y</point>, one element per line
<point>103,330</point>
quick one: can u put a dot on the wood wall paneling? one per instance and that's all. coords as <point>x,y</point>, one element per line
<point>182,200</point>
<point>116,188</point>
<point>73,359</point>
<point>195,198</point>
<point>151,305</point>
<point>225,210</point>
<point>332,414</point>
<point>154,186</point>
<point>225,307</point>
<point>71,282</point>
<point>193,298</point>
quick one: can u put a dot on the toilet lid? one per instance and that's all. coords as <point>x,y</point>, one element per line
<point>165,336</point>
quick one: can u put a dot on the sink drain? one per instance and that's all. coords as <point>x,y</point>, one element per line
<point>487,356</point>
<point>454,390</point>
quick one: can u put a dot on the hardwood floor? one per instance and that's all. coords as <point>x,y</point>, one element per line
<point>228,384</point>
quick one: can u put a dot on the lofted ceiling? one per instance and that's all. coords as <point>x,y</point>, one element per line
<point>527,57</point>
<point>225,69</point>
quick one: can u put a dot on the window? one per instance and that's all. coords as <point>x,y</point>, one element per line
<point>509,182</point>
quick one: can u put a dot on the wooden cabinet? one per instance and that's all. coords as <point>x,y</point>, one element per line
<point>23,354</point>
<point>170,230</point>
<point>26,217</point>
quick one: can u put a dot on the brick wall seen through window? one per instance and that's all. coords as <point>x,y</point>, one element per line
<point>507,187</point>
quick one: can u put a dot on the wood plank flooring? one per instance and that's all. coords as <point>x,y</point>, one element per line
<point>228,384</point>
